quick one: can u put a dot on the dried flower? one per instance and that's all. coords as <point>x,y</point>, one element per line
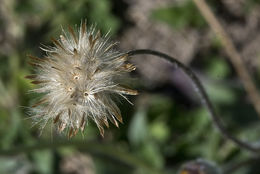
<point>79,77</point>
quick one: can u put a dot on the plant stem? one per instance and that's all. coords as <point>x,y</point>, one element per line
<point>232,53</point>
<point>204,97</point>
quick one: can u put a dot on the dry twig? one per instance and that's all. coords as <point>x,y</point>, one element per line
<point>233,54</point>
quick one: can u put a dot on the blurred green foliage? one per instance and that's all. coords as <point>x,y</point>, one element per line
<point>184,15</point>
<point>250,4</point>
<point>156,137</point>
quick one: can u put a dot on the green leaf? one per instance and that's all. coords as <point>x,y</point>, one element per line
<point>220,93</point>
<point>218,68</point>
<point>43,161</point>
<point>11,130</point>
<point>159,131</point>
<point>151,153</point>
<point>101,14</point>
<point>137,132</point>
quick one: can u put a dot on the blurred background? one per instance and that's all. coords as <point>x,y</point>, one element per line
<point>167,127</point>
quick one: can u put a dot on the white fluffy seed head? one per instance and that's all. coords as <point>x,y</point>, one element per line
<point>78,77</point>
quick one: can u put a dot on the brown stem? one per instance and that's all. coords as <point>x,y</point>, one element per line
<point>232,53</point>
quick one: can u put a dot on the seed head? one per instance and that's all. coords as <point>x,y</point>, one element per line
<point>78,78</point>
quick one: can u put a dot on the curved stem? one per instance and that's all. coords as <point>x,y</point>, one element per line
<point>233,54</point>
<point>204,97</point>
